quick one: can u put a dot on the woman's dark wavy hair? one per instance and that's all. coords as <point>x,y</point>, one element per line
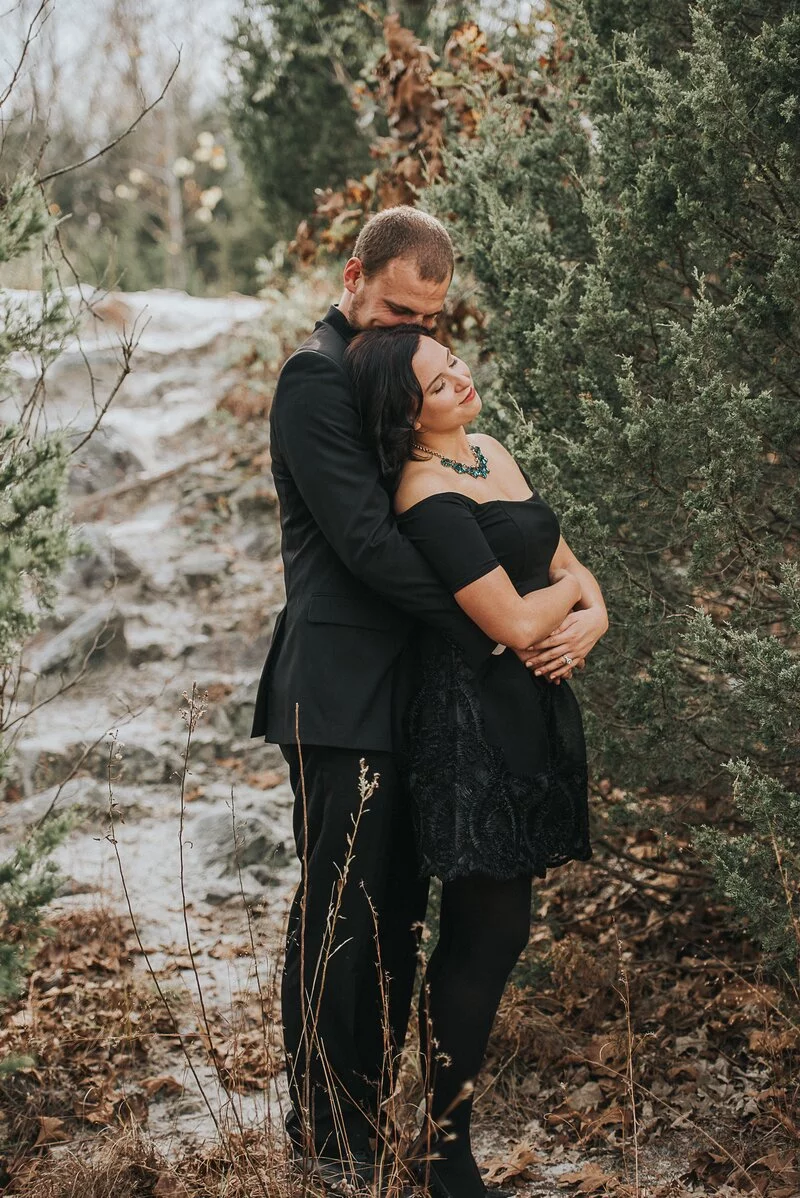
<point>387,391</point>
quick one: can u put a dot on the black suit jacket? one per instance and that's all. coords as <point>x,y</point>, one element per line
<point>355,586</point>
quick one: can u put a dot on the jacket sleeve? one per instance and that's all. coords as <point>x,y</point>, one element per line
<point>317,427</point>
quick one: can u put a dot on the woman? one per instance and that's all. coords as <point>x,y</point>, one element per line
<point>496,761</point>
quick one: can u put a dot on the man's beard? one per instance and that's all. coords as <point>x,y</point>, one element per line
<point>356,307</point>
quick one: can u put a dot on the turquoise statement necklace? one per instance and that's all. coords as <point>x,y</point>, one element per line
<point>479,470</point>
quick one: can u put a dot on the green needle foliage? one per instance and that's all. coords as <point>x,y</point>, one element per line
<point>290,110</point>
<point>34,547</point>
<point>635,230</point>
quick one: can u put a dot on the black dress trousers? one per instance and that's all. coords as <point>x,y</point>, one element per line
<point>345,1026</point>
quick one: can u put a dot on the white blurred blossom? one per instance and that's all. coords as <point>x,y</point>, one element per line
<point>211,197</point>
<point>205,139</point>
<point>123,192</point>
<point>182,167</point>
<point>218,159</point>
<point>204,215</point>
<point>137,177</point>
<point>203,154</point>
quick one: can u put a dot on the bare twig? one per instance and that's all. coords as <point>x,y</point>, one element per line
<point>40,16</point>
<point>111,837</point>
<point>269,1064</point>
<point>647,863</point>
<point>110,145</point>
<point>128,344</point>
<point>626,1002</point>
<point>85,506</point>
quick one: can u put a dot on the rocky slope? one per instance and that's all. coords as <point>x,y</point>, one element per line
<point>177,588</point>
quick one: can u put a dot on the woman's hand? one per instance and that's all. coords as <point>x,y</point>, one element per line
<point>575,637</point>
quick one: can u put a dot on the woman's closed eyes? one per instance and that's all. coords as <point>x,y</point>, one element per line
<point>436,390</point>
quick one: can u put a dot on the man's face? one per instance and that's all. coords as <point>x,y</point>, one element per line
<point>396,295</point>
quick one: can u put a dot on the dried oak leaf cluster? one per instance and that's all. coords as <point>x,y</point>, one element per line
<point>425,99</point>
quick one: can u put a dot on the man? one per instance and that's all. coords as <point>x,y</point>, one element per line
<point>355,589</point>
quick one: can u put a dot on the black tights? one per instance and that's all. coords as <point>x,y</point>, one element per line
<point>484,928</point>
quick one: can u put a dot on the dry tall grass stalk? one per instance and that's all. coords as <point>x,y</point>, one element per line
<point>111,837</point>
<point>390,1166</point>
<point>269,1172</point>
<point>191,715</point>
<point>631,1049</point>
<point>389,1170</point>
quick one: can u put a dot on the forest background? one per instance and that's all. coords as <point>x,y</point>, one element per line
<point>621,181</point>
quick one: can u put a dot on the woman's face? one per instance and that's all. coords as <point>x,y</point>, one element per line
<point>449,399</point>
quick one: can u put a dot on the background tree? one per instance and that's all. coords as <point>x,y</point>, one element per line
<point>298,109</point>
<point>634,230</point>
<point>34,547</point>
<point>169,205</point>
<point>36,535</point>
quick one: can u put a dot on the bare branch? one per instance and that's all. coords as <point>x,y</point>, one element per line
<point>104,149</point>
<point>128,344</point>
<point>40,16</point>
<point>87,506</point>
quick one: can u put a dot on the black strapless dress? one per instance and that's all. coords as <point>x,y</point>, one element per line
<point>495,759</point>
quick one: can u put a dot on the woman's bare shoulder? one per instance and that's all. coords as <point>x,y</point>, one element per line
<point>485,442</point>
<point>418,481</point>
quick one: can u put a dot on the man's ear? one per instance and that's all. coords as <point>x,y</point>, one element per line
<point>352,274</point>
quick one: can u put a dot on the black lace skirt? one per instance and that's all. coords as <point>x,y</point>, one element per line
<point>496,765</point>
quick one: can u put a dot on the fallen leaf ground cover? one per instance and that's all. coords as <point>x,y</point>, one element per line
<point>638,1019</point>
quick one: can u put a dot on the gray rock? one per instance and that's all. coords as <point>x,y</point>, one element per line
<point>77,793</point>
<point>204,487</point>
<point>264,544</point>
<point>255,496</point>
<point>203,566</point>
<point>219,719</point>
<point>254,884</point>
<point>261,850</point>
<point>226,652</point>
<point>102,563</point>
<point>98,633</point>
<point>44,761</point>
<point>240,705</point>
<point>102,462</point>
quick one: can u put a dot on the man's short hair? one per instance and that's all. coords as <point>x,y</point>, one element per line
<point>406,232</point>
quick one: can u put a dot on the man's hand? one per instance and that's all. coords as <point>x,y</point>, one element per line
<point>575,637</point>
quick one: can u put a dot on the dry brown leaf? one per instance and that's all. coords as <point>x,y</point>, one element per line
<point>229,952</point>
<point>169,1185</point>
<point>265,779</point>
<point>165,1082</point>
<point>516,1164</point>
<point>133,1106</point>
<point>51,1131</point>
<point>586,1098</point>
<point>591,1179</point>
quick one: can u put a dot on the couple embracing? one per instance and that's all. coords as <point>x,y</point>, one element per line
<point>433,617</point>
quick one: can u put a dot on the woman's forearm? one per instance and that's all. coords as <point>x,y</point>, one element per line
<point>591,595</point>
<point>545,609</point>
<point>496,606</point>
